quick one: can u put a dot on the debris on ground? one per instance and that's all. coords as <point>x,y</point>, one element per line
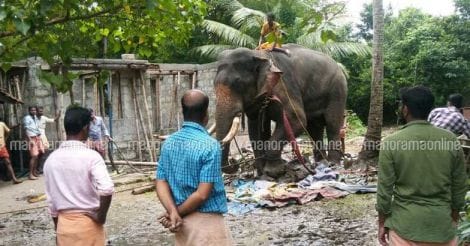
<point>36,198</point>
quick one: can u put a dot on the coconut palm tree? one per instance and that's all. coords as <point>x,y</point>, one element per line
<point>316,20</point>
<point>370,148</point>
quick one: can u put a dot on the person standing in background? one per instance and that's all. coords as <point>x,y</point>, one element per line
<point>36,148</point>
<point>98,134</point>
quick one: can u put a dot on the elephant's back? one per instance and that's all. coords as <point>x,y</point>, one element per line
<point>318,75</point>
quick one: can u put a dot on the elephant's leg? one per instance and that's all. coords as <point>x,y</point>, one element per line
<point>334,120</point>
<point>258,135</point>
<point>275,166</point>
<point>316,128</point>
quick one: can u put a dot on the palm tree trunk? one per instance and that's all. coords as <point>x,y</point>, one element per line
<point>370,147</point>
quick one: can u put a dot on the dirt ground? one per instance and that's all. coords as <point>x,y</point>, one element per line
<point>132,221</point>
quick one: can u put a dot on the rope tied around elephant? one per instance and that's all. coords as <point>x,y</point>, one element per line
<point>284,87</point>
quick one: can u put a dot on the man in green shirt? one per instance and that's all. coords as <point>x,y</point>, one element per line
<point>422,179</point>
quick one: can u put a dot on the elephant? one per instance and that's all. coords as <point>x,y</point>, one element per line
<point>309,88</point>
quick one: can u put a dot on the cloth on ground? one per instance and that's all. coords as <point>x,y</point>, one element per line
<point>351,188</point>
<point>237,208</point>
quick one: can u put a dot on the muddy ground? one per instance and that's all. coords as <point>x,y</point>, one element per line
<point>132,221</point>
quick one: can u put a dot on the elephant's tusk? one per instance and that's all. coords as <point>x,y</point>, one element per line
<point>233,130</point>
<point>162,137</point>
<point>211,129</point>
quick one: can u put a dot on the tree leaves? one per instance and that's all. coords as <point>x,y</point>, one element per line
<point>22,26</point>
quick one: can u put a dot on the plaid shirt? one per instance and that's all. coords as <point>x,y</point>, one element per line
<point>189,157</point>
<point>450,119</point>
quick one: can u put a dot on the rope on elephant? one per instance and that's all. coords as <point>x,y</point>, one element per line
<point>293,108</point>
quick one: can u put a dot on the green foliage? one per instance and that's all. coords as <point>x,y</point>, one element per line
<point>77,28</point>
<point>355,127</point>
<point>463,229</point>
<point>463,6</point>
<point>62,82</point>
<point>418,49</point>
<point>306,22</point>
<point>60,30</point>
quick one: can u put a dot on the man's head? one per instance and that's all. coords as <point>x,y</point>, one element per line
<point>417,102</point>
<point>77,123</point>
<point>195,104</point>
<point>32,110</point>
<point>40,111</point>
<point>455,100</point>
<point>270,17</point>
<point>92,112</point>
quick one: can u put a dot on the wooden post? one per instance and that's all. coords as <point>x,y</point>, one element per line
<point>157,106</point>
<point>96,96</point>
<point>17,87</point>
<point>176,101</point>
<point>119,96</point>
<point>134,98</point>
<point>148,114</point>
<point>83,92</point>
<point>194,78</point>
<point>139,112</point>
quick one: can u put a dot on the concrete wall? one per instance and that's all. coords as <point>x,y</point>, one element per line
<point>124,124</point>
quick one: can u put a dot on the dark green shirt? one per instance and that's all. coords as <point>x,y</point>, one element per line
<point>421,179</point>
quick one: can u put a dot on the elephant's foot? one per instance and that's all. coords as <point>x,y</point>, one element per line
<point>259,165</point>
<point>275,168</point>
<point>334,156</point>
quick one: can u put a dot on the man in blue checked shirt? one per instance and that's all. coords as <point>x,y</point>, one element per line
<point>189,179</point>
<point>450,117</point>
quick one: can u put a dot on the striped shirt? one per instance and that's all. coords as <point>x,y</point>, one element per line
<point>450,119</point>
<point>189,157</point>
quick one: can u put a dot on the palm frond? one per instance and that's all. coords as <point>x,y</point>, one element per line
<point>231,5</point>
<point>229,34</point>
<point>310,40</point>
<point>334,49</point>
<point>211,50</point>
<point>246,18</point>
<point>343,49</point>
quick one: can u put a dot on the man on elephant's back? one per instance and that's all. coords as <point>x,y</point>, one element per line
<point>271,36</point>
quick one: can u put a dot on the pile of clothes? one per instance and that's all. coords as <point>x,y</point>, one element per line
<point>249,195</point>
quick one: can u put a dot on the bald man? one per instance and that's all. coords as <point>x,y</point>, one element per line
<point>189,179</point>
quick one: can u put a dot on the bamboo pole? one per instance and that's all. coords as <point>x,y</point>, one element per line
<point>175,92</point>
<point>148,114</point>
<point>194,77</point>
<point>176,99</point>
<point>158,119</point>
<point>134,163</point>
<point>17,88</point>
<point>139,112</point>
<point>83,93</point>
<point>134,98</point>
<point>143,189</point>
<point>96,96</point>
<point>120,116</point>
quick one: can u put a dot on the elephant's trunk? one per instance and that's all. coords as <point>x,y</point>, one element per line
<point>228,109</point>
